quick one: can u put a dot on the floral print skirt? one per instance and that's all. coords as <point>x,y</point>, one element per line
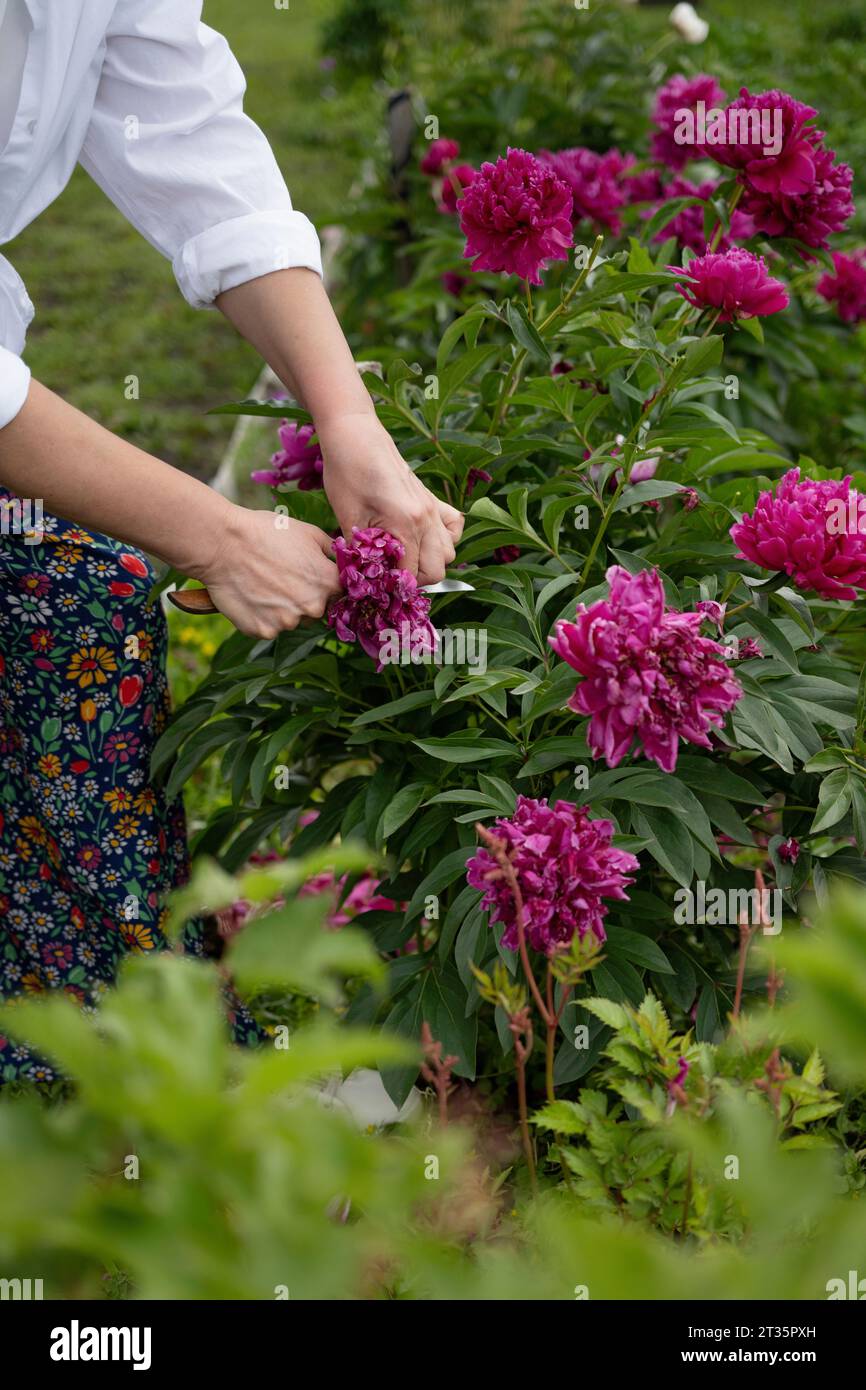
<point>89,849</point>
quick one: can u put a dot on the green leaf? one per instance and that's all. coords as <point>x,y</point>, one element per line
<point>834,799</point>
<point>638,948</point>
<point>526,333</point>
<point>457,750</point>
<point>403,805</point>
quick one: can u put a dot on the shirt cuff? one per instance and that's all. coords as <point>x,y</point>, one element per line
<point>242,249</point>
<point>14,385</point>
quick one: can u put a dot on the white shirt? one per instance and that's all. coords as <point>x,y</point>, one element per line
<point>150,101</point>
<point>14,32</point>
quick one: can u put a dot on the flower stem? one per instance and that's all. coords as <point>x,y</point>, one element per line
<point>520,1054</point>
<point>717,234</point>
<point>552,1025</point>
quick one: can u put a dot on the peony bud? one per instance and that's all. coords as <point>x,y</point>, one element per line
<point>688,23</point>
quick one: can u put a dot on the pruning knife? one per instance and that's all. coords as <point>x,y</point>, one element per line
<point>199,601</point>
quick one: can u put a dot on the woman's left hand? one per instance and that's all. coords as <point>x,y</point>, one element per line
<point>369,484</point>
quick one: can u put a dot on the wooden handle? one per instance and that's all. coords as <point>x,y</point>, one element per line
<point>193,601</point>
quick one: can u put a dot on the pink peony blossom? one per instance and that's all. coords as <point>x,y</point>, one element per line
<point>789,850</point>
<point>648,672</point>
<point>516,216</point>
<point>453,284</point>
<point>594,180</point>
<point>735,282</point>
<point>299,461</point>
<point>802,530</point>
<point>640,188</point>
<point>454,184</point>
<point>439,153</point>
<point>688,224</point>
<point>749,649</point>
<point>810,217</point>
<point>380,597</point>
<point>476,476</point>
<point>565,865</point>
<point>846,287</point>
<point>680,94</point>
<point>790,171</point>
<point>506,554</point>
<point>363,897</point>
<point>713,611</point>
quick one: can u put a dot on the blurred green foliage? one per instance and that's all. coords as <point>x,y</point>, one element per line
<point>183,1168</point>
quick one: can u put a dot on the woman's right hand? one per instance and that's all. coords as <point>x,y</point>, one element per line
<point>270,572</point>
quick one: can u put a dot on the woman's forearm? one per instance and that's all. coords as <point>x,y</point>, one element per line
<point>52,453</point>
<point>288,318</point>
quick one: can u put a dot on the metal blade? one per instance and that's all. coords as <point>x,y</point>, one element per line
<point>448,586</point>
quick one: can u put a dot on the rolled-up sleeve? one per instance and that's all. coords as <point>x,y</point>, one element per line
<point>14,385</point>
<point>170,145</point>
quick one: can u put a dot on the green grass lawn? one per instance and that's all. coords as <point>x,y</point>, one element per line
<point>107,305</point>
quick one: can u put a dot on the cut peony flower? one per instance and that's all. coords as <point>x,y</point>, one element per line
<point>735,282</point>
<point>516,216</point>
<point>299,461</point>
<point>846,287</point>
<point>565,866</point>
<point>380,597</point>
<point>680,94</point>
<point>439,154</point>
<point>648,673</point>
<point>802,529</point>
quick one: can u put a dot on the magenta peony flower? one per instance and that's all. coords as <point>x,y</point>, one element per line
<point>565,866</point>
<point>680,94</point>
<point>648,672</point>
<point>298,461</point>
<point>810,217</point>
<point>802,529</point>
<point>688,224</point>
<point>476,476</point>
<point>791,170</point>
<point>380,598</point>
<point>516,216</point>
<point>846,288</point>
<point>439,154</point>
<point>749,649</point>
<point>789,850</point>
<point>640,188</point>
<point>735,282</point>
<point>713,611</point>
<point>453,284</point>
<point>506,554</point>
<point>594,180</point>
<point>454,184</point>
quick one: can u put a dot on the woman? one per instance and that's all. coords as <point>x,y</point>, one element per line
<point>149,100</point>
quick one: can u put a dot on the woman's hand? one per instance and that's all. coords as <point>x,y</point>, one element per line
<point>369,484</point>
<point>270,572</point>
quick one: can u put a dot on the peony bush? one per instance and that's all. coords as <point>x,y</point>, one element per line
<point>643,764</point>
